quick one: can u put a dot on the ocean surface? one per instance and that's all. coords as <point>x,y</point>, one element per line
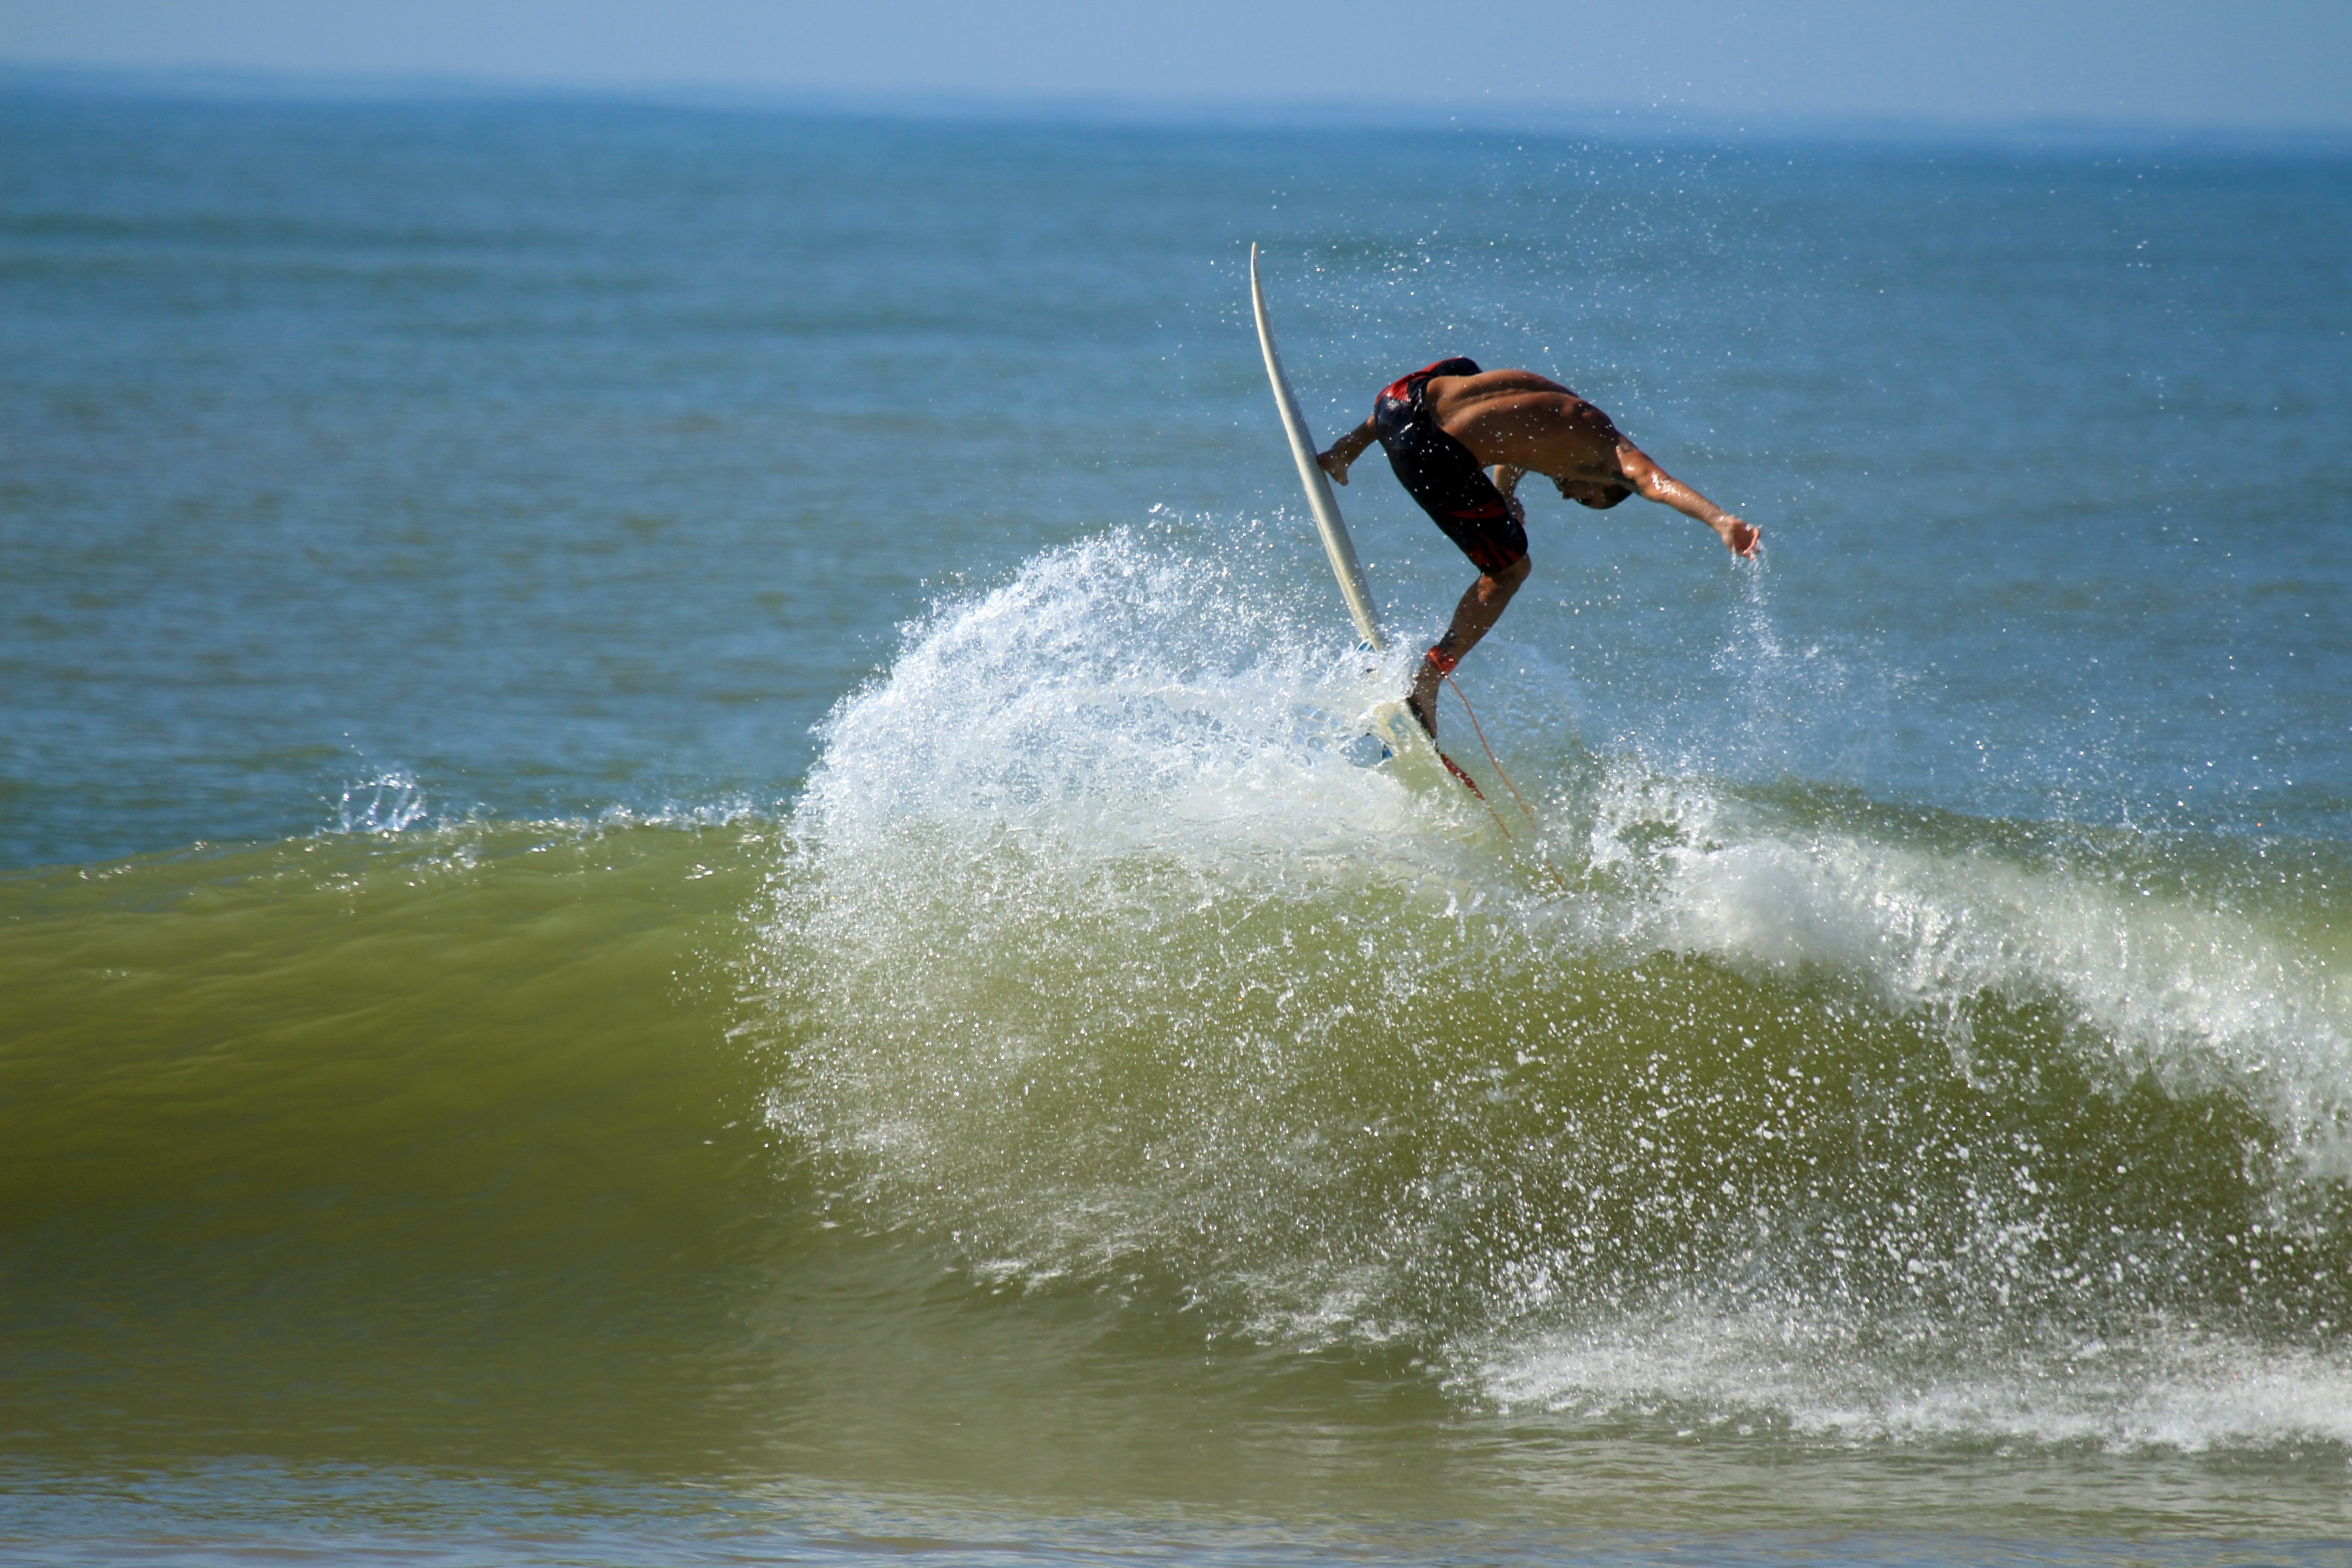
<point>679,882</point>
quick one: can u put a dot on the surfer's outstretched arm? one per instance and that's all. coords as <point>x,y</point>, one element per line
<point>1346,451</point>
<point>1655,483</point>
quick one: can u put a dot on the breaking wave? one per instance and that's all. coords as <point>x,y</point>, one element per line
<point>1095,957</point>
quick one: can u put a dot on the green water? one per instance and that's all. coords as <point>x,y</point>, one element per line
<point>445,1156</point>
<point>646,1150</point>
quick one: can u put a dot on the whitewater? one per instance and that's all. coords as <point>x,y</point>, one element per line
<point>1112,966</point>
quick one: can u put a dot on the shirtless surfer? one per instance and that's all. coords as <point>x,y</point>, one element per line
<point>1445,427</point>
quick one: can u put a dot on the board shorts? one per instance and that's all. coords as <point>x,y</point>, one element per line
<point>1439,472</point>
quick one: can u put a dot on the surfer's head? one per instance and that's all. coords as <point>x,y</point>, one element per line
<point>1598,495</point>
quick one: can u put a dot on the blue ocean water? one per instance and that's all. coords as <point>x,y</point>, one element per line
<point>468,439</point>
<point>678,884</point>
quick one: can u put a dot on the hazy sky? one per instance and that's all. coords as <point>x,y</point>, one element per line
<point>2281,64</point>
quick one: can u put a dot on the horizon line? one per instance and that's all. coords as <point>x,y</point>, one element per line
<point>1142,110</point>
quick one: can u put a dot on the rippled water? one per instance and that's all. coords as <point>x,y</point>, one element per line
<point>684,886</point>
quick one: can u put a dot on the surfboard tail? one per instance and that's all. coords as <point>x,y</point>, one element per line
<point>1392,732</point>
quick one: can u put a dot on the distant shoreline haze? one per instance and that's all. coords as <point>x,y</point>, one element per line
<point>1800,67</point>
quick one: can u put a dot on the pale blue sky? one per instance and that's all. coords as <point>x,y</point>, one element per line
<point>2258,64</point>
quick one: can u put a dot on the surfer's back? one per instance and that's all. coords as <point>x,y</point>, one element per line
<point>1465,390</point>
<point>1525,420</point>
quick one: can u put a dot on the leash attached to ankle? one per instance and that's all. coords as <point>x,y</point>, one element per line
<point>1443,660</point>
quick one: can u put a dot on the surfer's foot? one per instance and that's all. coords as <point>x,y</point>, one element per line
<point>1424,709</point>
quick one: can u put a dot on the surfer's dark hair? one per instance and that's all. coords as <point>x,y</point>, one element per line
<point>1617,494</point>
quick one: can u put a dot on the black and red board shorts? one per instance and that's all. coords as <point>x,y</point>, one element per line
<point>1439,472</point>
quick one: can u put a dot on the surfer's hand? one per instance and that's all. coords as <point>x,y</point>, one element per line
<point>1334,465</point>
<point>1741,537</point>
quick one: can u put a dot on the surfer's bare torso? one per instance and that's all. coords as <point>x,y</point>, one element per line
<point>1517,419</point>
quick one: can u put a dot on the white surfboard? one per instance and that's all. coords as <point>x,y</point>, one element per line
<point>1319,499</point>
<point>1390,730</point>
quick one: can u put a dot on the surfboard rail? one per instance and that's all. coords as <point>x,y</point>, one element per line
<point>1336,544</point>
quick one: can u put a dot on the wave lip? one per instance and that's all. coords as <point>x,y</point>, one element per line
<point>2152,980</point>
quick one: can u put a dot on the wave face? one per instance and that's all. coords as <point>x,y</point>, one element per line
<point>375,1143</point>
<point>1096,959</point>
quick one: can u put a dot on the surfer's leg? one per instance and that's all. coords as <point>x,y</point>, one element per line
<point>1459,496</point>
<point>1474,617</point>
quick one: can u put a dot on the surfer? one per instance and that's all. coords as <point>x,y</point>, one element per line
<point>1443,427</point>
